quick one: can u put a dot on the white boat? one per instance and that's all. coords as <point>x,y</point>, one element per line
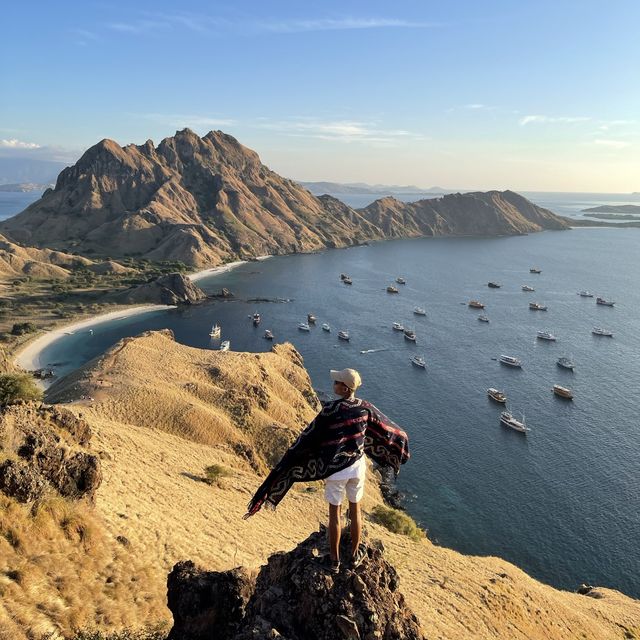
<point>215,331</point>
<point>510,361</point>
<point>606,303</point>
<point>326,327</point>
<point>546,335</point>
<point>585,294</point>
<point>496,395</point>
<point>536,306</point>
<point>303,326</point>
<point>401,280</point>
<point>419,361</point>
<point>599,331</point>
<point>397,326</point>
<point>526,287</point>
<point>419,311</point>
<point>508,420</point>
<point>343,335</point>
<point>268,335</point>
<point>225,345</point>
<point>565,363</point>
<point>483,318</point>
<point>562,392</point>
<point>410,334</point>
<point>256,319</point>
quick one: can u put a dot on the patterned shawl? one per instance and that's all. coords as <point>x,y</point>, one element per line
<point>339,435</point>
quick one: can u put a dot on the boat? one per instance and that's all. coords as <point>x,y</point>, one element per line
<point>474,304</point>
<point>343,276</point>
<point>599,331</point>
<point>536,306</point>
<point>410,334</point>
<point>510,361</point>
<point>311,319</point>
<point>397,326</point>
<point>256,319</point>
<point>606,303</point>
<point>215,331</point>
<point>326,327</point>
<point>268,335</point>
<point>546,335</point>
<point>565,363</point>
<point>493,285</point>
<point>508,420</point>
<point>303,326</point>
<point>347,280</point>
<point>392,289</point>
<point>496,395</point>
<point>562,392</point>
<point>400,280</point>
<point>585,294</point>
<point>419,361</point>
<point>526,287</point>
<point>225,345</point>
<point>343,335</point>
<point>535,270</point>
<point>483,318</point>
<point>419,311</point>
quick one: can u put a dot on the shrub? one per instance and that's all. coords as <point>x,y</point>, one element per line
<point>214,473</point>
<point>20,328</point>
<point>18,386</point>
<point>397,522</point>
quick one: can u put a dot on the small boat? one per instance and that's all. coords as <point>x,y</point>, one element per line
<point>392,289</point>
<point>535,270</point>
<point>483,318</point>
<point>565,363</point>
<point>347,280</point>
<point>410,335</point>
<point>326,327</point>
<point>493,285</point>
<point>215,331</point>
<point>303,326</point>
<point>606,303</point>
<point>343,335</point>
<point>256,319</point>
<point>510,361</point>
<point>311,319</point>
<point>225,345</point>
<point>474,304</point>
<point>562,392</point>
<point>268,335</point>
<point>419,311</point>
<point>496,395</point>
<point>536,306</point>
<point>343,276</point>
<point>400,280</point>
<point>397,326</point>
<point>546,335</point>
<point>585,294</point>
<point>599,331</point>
<point>419,361</point>
<point>508,420</point>
<point>526,287</point>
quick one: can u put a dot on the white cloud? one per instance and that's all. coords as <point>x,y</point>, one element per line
<point>612,144</point>
<point>475,105</point>
<point>187,120</point>
<point>338,24</point>
<point>13,143</point>
<point>538,119</point>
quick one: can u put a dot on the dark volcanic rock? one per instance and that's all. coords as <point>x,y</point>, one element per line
<point>21,481</point>
<point>294,598</point>
<point>174,288</point>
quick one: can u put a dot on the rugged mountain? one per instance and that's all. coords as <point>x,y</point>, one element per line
<point>478,213</point>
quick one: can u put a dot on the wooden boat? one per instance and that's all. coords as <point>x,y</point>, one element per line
<point>343,335</point>
<point>392,289</point>
<point>493,285</point>
<point>496,395</point>
<point>562,392</point>
<point>475,304</point>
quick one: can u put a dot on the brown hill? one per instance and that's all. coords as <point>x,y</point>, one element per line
<point>206,200</point>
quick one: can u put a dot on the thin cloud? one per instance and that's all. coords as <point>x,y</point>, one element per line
<point>187,120</point>
<point>612,144</point>
<point>538,119</point>
<point>14,143</point>
<point>341,24</point>
<point>475,106</point>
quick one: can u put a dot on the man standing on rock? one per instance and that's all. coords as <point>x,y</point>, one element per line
<point>332,448</point>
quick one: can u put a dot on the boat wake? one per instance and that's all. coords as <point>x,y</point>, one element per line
<point>374,350</point>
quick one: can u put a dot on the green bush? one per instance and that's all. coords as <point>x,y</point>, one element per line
<point>18,386</point>
<point>214,473</point>
<point>20,328</point>
<point>397,522</point>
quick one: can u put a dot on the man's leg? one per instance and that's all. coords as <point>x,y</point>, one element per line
<point>334,531</point>
<point>355,526</point>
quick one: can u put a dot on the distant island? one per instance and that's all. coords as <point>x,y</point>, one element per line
<point>614,208</point>
<point>24,187</point>
<point>360,188</point>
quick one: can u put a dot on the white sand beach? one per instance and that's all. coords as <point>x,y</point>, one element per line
<point>205,273</point>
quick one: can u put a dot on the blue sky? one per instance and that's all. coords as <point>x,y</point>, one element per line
<point>469,94</point>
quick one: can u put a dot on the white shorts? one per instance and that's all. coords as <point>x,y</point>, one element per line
<point>334,490</point>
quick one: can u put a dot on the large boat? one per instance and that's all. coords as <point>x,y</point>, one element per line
<point>585,294</point>
<point>496,395</point>
<point>326,327</point>
<point>410,334</point>
<point>392,289</point>
<point>526,287</point>
<point>311,319</point>
<point>562,392</point>
<point>215,331</point>
<point>565,363</point>
<point>401,280</point>
<point>508,420</point>
<point>343,335</point>
<point>599,331</point>
<point>606,303</point>
<point>397,326</point>
<point>419,361</point>
<point>419,311</point>
<point>268,335</point>
<point>225,345</point>
<point>536,306</point>
<point>303,326</point>
<point>256,319</point>
<point>546,335</point>
<point>494,285</point>
<point>483,318</point>
<point>510,361</point>
<point>347,280</point>
<point>475,304</point>
<point>535,270</point>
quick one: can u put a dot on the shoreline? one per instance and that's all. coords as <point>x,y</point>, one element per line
<point>223,268</point>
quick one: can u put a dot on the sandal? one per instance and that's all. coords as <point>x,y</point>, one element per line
<point>358,556</point>
<point>332,566</point>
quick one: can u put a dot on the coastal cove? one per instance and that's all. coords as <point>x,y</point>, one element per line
<point>562,502</point>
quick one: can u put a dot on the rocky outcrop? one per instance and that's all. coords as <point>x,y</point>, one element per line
<point>294,597</point>
<point>173,288</point>
<point>45,449</point>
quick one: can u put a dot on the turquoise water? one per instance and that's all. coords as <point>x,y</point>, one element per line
<point>562,502</point>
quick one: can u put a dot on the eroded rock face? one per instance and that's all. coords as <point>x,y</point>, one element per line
<point>293,597</point>
<point>173,288</point>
